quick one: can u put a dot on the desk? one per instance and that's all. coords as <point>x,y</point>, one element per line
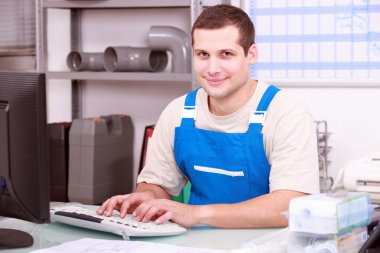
<point>47,235</point>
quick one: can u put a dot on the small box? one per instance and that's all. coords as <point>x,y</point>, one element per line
<point>329,213</point>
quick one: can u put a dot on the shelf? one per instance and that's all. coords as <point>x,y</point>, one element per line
<point>322,137</point>
<point>122,76</point>
<point>88,4</point>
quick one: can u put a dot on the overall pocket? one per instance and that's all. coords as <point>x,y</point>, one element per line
<point>219,181</point>
<point>219,171</point>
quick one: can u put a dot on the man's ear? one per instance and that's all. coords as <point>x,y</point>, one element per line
<point>252,54</point>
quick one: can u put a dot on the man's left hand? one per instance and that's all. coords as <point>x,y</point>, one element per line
<point>162,210</point>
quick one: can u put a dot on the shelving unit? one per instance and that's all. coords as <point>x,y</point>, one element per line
<point>76,8</point>
<point>67,4</point>
<point>121,76</point>
<point>323,150</point>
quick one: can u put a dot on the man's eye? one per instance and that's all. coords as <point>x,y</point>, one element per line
<point>202,54</point>
<point>226,54</point>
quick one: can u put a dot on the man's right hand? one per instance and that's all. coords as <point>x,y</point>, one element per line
<point>124,203</point>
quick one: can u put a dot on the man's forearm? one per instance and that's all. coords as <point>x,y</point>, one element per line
<point>157,191</point>
<point>263,211</point>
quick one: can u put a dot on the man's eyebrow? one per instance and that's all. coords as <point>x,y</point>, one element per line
<point>220,50</point>
<point>227,49</point>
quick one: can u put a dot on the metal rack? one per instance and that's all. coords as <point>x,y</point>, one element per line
<point>76,8</point>
<point>325,181</point>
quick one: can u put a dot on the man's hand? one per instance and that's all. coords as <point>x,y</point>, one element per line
<point>162,210</point>
<point>151,202</point>
<point>128,203</point>
<point>124,203</point>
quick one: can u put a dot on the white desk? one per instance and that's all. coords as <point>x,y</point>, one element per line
<point>47,235</point>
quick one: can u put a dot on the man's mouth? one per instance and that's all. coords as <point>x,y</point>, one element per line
<point>215,80</point>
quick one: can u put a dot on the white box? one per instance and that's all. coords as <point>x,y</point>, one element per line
<point>328,213</point>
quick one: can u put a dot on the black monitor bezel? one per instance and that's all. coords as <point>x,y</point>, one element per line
<point>27,175</point>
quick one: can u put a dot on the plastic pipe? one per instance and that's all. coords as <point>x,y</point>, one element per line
<point>79,61</point>
<point>174,40</point>
<point>134,59</point>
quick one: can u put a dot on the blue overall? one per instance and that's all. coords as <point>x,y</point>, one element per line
<point>223,167</point>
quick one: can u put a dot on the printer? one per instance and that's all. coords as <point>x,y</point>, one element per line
<point>362,175</point>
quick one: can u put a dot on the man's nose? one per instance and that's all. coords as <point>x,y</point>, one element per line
<point>213,66</point>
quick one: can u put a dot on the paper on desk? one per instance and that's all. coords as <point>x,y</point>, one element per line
<point>87,245</point>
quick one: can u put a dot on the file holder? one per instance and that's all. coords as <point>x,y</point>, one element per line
<point>58,160</point>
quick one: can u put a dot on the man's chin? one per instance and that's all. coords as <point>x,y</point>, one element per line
<point>216,93</point>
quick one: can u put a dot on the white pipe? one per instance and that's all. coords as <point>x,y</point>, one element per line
<point>174,40</point>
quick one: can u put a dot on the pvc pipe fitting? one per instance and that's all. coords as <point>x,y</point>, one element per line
<point>134,59</point>
<point>79,61</point>
<point>174,40</point>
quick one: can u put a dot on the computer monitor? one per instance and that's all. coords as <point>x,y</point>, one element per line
<point>24,177</point>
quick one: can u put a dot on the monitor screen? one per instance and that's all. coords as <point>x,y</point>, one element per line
<point>24,177</point>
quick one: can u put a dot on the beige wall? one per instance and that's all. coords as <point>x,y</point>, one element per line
<point>17,63</point>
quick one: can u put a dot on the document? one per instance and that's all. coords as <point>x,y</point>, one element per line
<point>87,245</point>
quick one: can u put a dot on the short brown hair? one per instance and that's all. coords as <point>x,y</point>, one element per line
<point>223,15</point>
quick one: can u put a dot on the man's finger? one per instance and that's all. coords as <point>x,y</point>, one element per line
<point>164,218</point>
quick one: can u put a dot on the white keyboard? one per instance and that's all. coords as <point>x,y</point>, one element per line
<point>85,216</point>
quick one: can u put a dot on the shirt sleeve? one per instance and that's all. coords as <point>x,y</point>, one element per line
<point>292,147</point>
<point>160,166</point>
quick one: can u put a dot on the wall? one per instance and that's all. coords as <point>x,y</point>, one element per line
<point>353,117</point>
<point>17,63</point>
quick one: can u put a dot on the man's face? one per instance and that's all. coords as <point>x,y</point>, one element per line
<point>220,65</point>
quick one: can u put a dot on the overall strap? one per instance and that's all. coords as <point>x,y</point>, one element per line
<point>257,118</point>
<point>189,112</point>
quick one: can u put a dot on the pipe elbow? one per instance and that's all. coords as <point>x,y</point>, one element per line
<point>174,40</point>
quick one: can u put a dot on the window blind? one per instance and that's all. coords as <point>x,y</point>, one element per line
<point>17,27</point>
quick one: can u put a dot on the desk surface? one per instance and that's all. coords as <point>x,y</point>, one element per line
<point>47,235</point>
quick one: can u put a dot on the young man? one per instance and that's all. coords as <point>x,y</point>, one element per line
<point>246,147</point>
